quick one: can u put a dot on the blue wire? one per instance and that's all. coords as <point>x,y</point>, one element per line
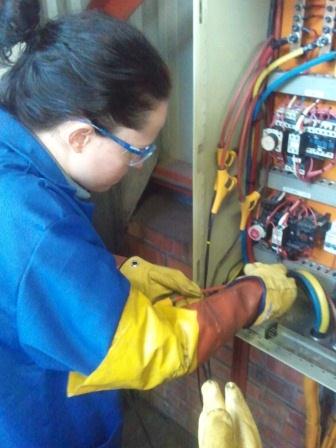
<point>243,235</point>
<point>311,293</point>
<point>288,75</point>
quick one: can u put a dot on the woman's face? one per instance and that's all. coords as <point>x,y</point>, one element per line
<point>102,162</point>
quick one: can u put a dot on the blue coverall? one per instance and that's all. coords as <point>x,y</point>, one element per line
<point>61,300</point>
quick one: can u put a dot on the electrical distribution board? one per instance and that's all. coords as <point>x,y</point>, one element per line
<point>294,221</point>
<point>283,166</point>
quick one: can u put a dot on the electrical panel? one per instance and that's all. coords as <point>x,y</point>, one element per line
<point>280,127</point>
<point>295,221</point>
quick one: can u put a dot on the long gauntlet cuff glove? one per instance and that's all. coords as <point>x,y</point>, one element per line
<point>158,282</point>
<point>265,293</point>
<point>221,315</point>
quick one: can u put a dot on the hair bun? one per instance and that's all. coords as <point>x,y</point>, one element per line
<point>19,20</point>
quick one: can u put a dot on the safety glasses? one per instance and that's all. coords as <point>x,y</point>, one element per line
<point>138,155</point>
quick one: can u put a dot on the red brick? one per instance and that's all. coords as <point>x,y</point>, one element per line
<point>253,391</point>
<point>284,371</point>
<point>296,419</point>
<point>177,249</point>
<point>271,439</point>
<point>296,436</point>
<point>272,401</point>
<point>144,250</point>
<point>263,415</point>
<point>229,344</point>
<point>258,357</point>
<point>224,354</point>
<point>220,372</point>
<point>286,391</point>
<point>176,264</point>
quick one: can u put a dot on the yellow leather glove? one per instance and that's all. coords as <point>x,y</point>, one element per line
<point>226,423</point>
<point>158,282</point>
<point>280,290</point>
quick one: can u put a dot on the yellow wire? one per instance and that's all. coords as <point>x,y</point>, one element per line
<point>275,64</point>
<point>325,313</point>
<point>313,413</point>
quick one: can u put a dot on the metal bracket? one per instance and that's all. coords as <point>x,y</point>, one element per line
<point>325,40</point>
<point>295,38</point>
<point>323,190</point>
<point>296,351</point>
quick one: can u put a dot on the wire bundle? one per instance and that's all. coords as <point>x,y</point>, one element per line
<point>318,298</point>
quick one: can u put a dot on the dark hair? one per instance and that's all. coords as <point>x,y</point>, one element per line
<point>85,65</point>
<point>18,20</point>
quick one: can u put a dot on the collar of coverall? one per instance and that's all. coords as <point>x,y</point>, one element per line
<point>16,137</point>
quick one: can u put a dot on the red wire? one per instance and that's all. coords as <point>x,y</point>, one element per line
<point>242,147</point>
<point>256,142</point>
<point>242,105</point>
<point>287,202</point>
<point>278,19</point>
<point>239,89</point>
<point>232,105</point>
<point>332,307</point>
<point>312,174</point>
<point>232,124</point>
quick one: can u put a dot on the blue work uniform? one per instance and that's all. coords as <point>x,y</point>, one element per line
<point>61,301</point>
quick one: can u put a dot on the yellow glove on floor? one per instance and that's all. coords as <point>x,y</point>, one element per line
<point>226,423</point>
<point>281,291</point>
<point>157,282</point>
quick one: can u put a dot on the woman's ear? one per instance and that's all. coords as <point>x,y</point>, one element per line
<point>79,136</point>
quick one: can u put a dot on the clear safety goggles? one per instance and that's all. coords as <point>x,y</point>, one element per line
<point>138,155</point>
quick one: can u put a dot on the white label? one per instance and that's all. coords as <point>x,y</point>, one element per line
<point>303,194</point>
<point>277,236</point>
<point>330,239</point>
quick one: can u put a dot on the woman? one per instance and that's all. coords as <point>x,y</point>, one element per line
<point>82,104</point>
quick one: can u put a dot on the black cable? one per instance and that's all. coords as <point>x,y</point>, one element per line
<point>271,18</point>
<point>208,243</point>
<point>221,261</point>
<point>206,367</point>
<point>199,385</point>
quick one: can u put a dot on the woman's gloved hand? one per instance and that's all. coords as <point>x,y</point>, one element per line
<point>226,423</point>
<point>265,293</point>
<point>280,291</point>
<point>158,282</point>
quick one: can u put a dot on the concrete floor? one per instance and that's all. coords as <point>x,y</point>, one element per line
<point>163,432</point>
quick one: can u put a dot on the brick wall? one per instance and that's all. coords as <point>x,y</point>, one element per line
<point>160,231</point>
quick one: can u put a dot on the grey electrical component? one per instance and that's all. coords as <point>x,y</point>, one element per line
<point>309,86</point>
<point>323,190</point>
<point>294,143</point>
